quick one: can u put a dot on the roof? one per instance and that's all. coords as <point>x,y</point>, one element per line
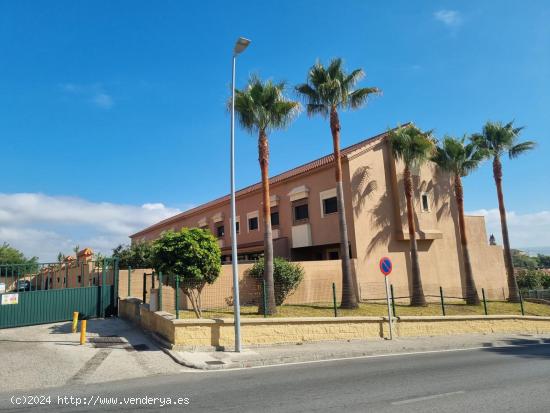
<point>299,170</point>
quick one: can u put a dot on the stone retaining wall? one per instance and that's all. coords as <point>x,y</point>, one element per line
<point>219,333</point>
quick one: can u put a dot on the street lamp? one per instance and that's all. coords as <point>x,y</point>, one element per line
<point>240,46</point>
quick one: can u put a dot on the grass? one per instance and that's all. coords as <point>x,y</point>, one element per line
<point>380,309</point>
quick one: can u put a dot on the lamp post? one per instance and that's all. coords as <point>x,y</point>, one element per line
<point>240,46</point>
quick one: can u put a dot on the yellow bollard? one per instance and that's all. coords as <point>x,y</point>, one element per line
<point>75,321</point>
<point>82,332</point>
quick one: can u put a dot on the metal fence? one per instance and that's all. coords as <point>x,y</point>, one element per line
<point>321,298</point>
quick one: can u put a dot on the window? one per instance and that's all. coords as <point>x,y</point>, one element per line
<point>301,211</point>
<point>333,255</point>
<point>274,217</point>
<point>237,227</point>
<point>220,231</point>
<point>425,203</point>
<point>253,224</point>
<point>330,206</point>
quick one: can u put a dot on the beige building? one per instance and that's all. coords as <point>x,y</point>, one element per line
<point>305,222</point>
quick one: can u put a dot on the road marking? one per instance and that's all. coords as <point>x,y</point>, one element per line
<point>421,399</point>
<point>372,356</point>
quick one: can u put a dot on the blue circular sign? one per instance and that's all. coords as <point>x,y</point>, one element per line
<point>386,266</point>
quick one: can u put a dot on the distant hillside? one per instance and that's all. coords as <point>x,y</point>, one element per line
<point>535,250</point>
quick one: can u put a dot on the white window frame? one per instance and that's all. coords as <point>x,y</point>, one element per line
<point>329,193</point>
<point>253,214</point>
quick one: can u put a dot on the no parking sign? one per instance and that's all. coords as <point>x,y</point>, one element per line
<point>386,267</point>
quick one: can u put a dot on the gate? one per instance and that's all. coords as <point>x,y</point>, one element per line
<point>47,293</point>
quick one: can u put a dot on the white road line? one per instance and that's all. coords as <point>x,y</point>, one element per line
<point>421,399</point>
<point>412,353</point>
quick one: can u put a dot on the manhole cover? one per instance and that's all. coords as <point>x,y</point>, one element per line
<point>214,362</point>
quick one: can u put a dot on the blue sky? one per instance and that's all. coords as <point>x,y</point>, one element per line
<point>119,107</point>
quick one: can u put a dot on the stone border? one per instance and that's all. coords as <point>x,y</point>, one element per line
<point>194,334</point>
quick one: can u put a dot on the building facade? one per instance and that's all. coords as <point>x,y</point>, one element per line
<point>305,220</point>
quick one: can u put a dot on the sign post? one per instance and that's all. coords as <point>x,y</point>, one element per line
<point>386,268</point>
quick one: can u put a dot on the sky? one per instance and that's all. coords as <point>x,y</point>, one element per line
<point>113,113</point>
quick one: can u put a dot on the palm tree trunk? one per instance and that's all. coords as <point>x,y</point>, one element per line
<point>417,298</point>
<point>263,151</point>
<point>472,297</point>
<point>349,296</point>
<point>512,283</point>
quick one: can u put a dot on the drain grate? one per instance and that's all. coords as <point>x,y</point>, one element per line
<point>107,340</point>
<point>140,347</point>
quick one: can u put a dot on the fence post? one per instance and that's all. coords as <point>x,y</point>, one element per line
<point>67,275</point>
<point>153,280</point>
<point>82,274</point>
<point>521,303</point>
<point>442,300</point>
<point>129,279</point>
<point>334,300</point>
<point>393,300</point>
<point>160,292</point>
<point>264,297</point>
<point>177,296</point>
<point>144,293</point>
<point>484,300</point>
<point>102,289</point>
<point>116,286</point>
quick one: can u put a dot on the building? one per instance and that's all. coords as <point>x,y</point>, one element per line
<point>305,221</point>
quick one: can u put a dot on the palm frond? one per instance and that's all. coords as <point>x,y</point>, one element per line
<point>263,106</point>
<point>411,145</point>
<point>332,86</point>
<point>358,97</point>
<point>520,148</point>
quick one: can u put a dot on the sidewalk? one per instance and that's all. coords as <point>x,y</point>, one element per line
<point>308,352</point>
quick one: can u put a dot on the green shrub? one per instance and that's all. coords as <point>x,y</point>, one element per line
<point>193,255</point>
<point>529,279</point>
<point>287,277</point>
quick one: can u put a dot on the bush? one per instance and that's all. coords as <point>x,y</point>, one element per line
<point>137,255</point>
<point>287,277</point>
<point>529,279</point>
<point>193,255</point>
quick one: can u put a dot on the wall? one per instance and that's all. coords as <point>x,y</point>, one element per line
<point>219,333</point>
<point>380,227</point>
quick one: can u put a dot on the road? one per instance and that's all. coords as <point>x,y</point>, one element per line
<point>503,379</point>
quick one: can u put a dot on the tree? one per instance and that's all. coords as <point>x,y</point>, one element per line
<point>287,275</point>
<point>261,108</point>
<point>459,159</point>
<point>522,260</point>
<point>543,260</point>
<point>192,255</point>
<point>328,90</point>
<point>414,147</point>
<point>137,255</point>
<point>498,139</point>
<point>10,255</point>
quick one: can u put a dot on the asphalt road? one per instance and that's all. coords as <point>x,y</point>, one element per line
<point>505,379</point>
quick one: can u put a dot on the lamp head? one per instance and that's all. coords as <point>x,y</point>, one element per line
<point>241,45</point>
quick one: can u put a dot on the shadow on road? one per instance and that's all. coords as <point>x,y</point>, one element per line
<point>525,348</point>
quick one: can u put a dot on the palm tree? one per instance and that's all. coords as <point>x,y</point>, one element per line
<point>327,90</point>
<point>261,107</point>
<point>453,156</point>
<point>498,139</point>
<point>413,147</point>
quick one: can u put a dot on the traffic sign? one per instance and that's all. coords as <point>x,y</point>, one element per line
<point>386,266</point>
